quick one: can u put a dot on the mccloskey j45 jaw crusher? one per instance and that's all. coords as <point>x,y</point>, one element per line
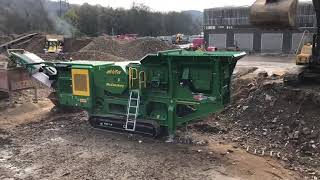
<point>152,96</point>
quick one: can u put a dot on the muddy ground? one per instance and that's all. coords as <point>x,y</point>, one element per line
<point>36,142</point>
<point>64,146</point>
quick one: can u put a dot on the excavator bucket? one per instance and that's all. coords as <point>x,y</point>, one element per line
<point>273,13</point>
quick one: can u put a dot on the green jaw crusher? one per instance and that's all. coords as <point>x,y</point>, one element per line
<point>152,96</point>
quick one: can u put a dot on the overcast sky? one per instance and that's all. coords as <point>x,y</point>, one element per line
<point>169,5</point>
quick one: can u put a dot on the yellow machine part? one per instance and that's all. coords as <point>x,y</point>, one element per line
<point>54,45</point>
<point>273,13</point>
<point>304,57</point>
<point>80,82</point>
<point>179,38</point>
<point>52,49</point>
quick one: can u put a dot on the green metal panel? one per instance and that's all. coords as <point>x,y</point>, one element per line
<point>115,79</point>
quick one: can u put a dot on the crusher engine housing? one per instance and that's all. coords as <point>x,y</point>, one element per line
<point>152,96</point>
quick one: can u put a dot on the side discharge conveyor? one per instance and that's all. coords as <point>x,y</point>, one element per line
<point>153,96</point>
<point>34,64</point>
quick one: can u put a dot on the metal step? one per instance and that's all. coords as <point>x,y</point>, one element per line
<point>132,117</point>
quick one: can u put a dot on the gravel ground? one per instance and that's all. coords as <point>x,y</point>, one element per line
<point>267,118</point>
<point>66,147</point>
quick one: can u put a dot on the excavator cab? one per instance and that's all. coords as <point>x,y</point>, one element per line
<point>274,13</point>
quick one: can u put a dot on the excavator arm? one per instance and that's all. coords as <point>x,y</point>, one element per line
<point>282,14</point>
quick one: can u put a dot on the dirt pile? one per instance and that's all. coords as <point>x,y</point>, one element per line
<point>75,44</point>
<point>133,50</point>
<point>268,119</point>
<point>94,55</point>
<point>49,56</point>
<point>35,45</point>
<point>100,48</point>
<point>23,97</point>
<point>4,39</point>
<point>140,47</point>
<point>3,58</point>
<point>84,55</point>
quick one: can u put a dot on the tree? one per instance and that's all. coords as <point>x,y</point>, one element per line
<point>88,19</point>
<point>72,17</point>
<point>92,20</point>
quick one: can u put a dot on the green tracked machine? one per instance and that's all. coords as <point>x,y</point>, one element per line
<point>152,96</point>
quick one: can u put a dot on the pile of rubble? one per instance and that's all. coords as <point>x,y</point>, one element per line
<point>268,119</point>
<point>100,48</point>
<point>84,55</point>
<point>93,55</point>
<point>3,58</point>
<point>140,47</point>
<point>133,50</point>
<point>75,44</point>
<point>35,44</point>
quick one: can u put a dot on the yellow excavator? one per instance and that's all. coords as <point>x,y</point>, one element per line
<point>281,14</point>
<point>54,43</point>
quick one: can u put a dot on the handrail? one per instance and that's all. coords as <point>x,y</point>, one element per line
<point>133,75</point>
<point>302,39</point>
<point>142,79</point>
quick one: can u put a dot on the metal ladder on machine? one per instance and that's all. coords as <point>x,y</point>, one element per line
<point>134,98</point>
<point>133,110</point>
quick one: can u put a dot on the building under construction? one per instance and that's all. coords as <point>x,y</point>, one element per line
<point>229,27</point>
